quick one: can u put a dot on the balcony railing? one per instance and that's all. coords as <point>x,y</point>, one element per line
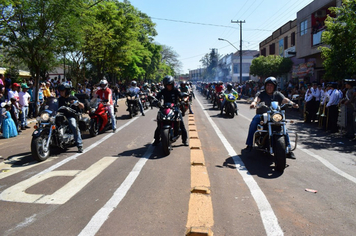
<point>317,37</point>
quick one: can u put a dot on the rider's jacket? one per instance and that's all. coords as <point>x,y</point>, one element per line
<point>219,88</point>
<point>233,91</point>
<point>63,101</point>
<point>134,90</point>
<point>171,96</point>
<point>184,89</point>
<point>147,90</point>
<point>103,94</point>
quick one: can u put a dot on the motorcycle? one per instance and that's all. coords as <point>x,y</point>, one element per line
<point>271,133</point>
<point>100,118</point>
<point>144,100</point>
<point>219,97</point>
<point>132,104</point>
<point>168,119</point>
<point>229,105</point>
<point>52,129</point>
<point>184,105</point>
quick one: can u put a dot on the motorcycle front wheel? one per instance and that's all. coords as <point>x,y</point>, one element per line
<point>166,143</point>
<point>38,148</point>
<point>93,128</point>
<point>279,149</point>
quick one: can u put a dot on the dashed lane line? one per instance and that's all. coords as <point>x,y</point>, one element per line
<point>268,217</point>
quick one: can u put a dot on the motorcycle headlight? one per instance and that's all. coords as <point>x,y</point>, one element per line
<point>45,117</point>
<point>92,110</point>
<point>277,117</point>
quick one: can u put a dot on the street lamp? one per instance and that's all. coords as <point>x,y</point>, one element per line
<point>228,42</point>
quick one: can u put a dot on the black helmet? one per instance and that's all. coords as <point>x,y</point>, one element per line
<point>229,86</point>
<point>271,80</point>
<point>133,83</point>
<point>168,80</point>
<point>64,86</point>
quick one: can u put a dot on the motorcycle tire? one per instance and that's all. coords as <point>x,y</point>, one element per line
<point>37,145</point>
<point>279,148</point>
<point>93,128</point>
<point>166,143</point>
<point>230,110</point>
<point>131,112</point>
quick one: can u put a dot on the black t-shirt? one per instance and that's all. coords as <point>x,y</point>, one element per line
<point>267,99</point>
<point>62,101</point>
<point>169,96</point>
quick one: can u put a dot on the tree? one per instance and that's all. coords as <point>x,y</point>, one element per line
<point>340,37</point>
<point>33,30</point>
<point>271,65</point>
<point>170,58</point>
<point>210,61</point>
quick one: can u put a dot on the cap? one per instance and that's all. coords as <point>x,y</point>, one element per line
<point>24,86</point>
<point>350,81</point>
<point>15,85</point>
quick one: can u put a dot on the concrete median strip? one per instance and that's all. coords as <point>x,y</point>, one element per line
<point>200,214</point>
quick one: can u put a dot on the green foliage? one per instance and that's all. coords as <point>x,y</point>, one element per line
<point>271,65</point>
<point>210,61</point>
<point>340,36</point>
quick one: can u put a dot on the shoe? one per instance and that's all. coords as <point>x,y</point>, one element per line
<point>185,143</point>
<point>23,128</point>
<point>191,112</point>
<point>27,127</point>
<point>143,114</point>
<point>80,149</point>
<point>19,131</point>
<point>113,130</point>
<point>155,143</point>
<point>291,155</point>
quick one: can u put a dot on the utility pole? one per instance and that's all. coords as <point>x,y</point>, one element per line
<point>240,22</point>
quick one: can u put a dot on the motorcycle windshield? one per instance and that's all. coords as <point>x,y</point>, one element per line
<point>50,104</point>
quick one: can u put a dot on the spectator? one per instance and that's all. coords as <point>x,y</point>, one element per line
<point>24,101</point>
<point>46,89</point>
<point>8,125</point>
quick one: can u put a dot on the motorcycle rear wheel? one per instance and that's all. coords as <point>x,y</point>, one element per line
<point>37,146</point>
<point>166,143</point>
<point>279,148</point>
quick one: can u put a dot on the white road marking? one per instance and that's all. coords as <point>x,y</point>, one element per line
<point>103,214</point>
<point>268,217</point>
<point>17,192</point>
<point>323,161</point>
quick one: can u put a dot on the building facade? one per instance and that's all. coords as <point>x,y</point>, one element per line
<point>310,21</point>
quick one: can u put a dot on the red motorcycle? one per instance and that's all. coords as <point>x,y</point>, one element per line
<point>144,100</point>
<point>100,118</point>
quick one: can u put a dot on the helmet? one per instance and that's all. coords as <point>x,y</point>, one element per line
<point>220,82</point>
<point>229,86</point>
<point>168,80</point>
<point>103,84</point>
<point>271,80</point>
<point>133,83</point>
<point>145,85</point>
<point>65,87</point>
<point>182,83</point>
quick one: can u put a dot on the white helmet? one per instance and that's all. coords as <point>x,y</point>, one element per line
<point>103,84</point>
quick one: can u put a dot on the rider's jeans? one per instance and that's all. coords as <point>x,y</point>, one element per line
<point>253,127</point>
<point>140,105</point>
<point>75,131</point>
<point>112,115</point>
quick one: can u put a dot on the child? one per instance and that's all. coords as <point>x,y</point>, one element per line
<point>8,125</point>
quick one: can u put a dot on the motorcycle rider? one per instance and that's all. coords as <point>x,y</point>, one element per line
<point>105,93</point>
<point>70,101</point>
<point>170,95</point>
<point>134,90</point>
<point>267,96</point>
<point>218,89</point>
<point>229,90</point>
<point>185,89</point>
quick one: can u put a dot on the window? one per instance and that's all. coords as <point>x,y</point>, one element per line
<point>304,27</point>
<point>292,39</point>
<point>272,50</point>
<point>263,52</point>
<point>285,42</point>
<point>245,68</point>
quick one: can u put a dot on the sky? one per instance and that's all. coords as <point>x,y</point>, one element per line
<point>192,27</point>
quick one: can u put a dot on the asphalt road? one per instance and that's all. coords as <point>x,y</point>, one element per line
<point>122,185</point>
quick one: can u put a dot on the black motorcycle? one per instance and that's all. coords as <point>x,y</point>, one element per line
<point>132,103</point>
<point>168,118</point>
<point>52,129</point>
<point>271,133</point>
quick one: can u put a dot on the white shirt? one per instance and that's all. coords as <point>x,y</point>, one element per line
<point>13,94</point>
<point>308,95</point>
<point>134,90</point>
<point>24,98</point>
<point>316,93</point>
<point>334,97</point>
